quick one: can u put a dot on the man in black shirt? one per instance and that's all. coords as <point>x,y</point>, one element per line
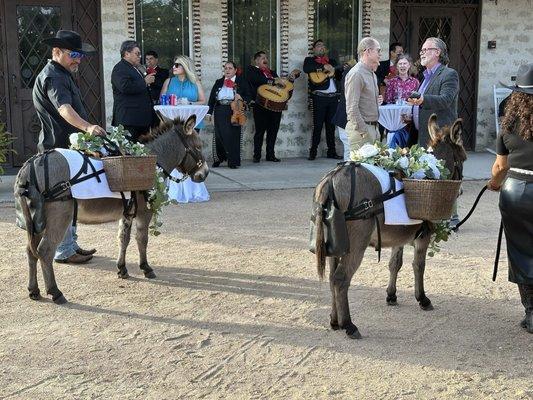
<point>57,100</point>
<point>152,66</point>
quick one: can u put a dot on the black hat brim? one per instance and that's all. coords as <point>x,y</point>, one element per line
<point>86,48</point>
<point>518,88</point>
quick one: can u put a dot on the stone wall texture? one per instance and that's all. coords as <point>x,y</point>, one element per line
<point>114,32</point>
<point>509,22</point>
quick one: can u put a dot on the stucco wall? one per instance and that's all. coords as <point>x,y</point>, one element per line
<point>380,24</point>
<point>114,32</point>
<point>510,23</point>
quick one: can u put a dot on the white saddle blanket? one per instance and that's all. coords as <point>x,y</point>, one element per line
<point>395,210</point>
<point>90,188</point>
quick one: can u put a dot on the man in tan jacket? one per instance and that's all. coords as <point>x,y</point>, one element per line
<point>362,95</point>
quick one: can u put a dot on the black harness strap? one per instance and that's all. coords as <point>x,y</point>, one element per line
<point>498,249</point>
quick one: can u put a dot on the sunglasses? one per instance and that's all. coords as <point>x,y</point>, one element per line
<point>74,54</point>
<point>177,65</point>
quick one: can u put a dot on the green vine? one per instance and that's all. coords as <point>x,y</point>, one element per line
<point>5,146</point>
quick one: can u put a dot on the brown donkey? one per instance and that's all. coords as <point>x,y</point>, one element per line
<point>447,145</point>
<point>176,145</point>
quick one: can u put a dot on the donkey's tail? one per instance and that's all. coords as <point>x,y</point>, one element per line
<point>24,218</point>
<point>320,244</point>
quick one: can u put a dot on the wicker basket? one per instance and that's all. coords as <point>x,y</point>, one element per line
<point>128,173</point>
<point>430,200</point>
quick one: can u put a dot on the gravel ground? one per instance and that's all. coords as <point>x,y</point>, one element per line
<point>237,312</point>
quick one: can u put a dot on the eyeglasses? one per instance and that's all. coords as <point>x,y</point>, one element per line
<point>424,51</point>
<point>378,50</point>
<point>74,54</point>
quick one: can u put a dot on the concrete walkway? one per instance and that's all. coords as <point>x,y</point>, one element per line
<point>289,174</point>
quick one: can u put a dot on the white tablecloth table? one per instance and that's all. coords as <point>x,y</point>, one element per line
<point>390,117</point>
<point>186,191</point>
<point>184,111</point>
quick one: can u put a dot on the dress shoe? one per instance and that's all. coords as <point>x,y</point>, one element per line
<point>83,252</point>
<point>216,164</point>
<point>233,166</point>
<point>273,159</point>
<point>256,159</point>
<point>335,156</point>
<point>312,154</point>
<point>74,259</point>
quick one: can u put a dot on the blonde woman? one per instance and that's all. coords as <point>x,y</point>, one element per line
<point>185,84</point>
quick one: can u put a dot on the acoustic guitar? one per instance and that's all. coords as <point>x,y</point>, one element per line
<point>320,77</point>
<point>275,97</point>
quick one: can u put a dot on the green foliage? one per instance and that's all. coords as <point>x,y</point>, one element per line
<point>5,146</point>
<point>157,196</point>
<point>412,162</point>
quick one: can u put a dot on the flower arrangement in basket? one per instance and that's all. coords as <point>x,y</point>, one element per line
<point>429,195</point>
<point>134,170</point>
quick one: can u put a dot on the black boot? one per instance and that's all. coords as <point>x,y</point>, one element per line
<point>312,154</point>
<point>526,295</point>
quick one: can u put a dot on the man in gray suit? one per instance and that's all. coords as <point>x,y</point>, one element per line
<point>438,91</point>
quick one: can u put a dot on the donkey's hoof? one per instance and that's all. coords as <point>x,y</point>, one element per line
<point>60,299</point>
<point>352,332</point>
<point>35,294</point>
<point>149,274</point>
<point>123,274</point>
<point>425,304</point>
<point>392,300</point>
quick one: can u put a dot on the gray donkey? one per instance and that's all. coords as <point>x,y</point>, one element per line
<point>447,145</point>
<point>176,145</point>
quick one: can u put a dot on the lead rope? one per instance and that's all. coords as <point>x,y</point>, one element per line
<point>500,233</point>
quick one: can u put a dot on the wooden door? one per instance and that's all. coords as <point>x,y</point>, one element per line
<point>27,25</point>
<point>457,23</point>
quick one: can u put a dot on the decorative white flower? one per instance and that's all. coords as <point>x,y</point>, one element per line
<point>73,138</point>
<point>403,162</point>
<point>436,171</point>
<point>391,151</point>
<point>367,150</point>
<point>430,159</point>
<point>420,174</point>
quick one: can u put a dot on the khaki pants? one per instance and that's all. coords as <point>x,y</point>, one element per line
<point>358,138</point>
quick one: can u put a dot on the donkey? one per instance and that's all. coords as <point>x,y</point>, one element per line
<point>176,145</point>
<point>447,145</point>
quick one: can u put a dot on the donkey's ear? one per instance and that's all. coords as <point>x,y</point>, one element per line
<point>433,128</point>
<point>189,125</point>
<point>456,133</point>
<point>161,117</point>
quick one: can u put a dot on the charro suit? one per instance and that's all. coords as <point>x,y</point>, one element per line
<point>440,97</point>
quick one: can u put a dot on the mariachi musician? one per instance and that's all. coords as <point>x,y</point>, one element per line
<point>228,93</point>
<point>265,120</point>
<point>324,74</point>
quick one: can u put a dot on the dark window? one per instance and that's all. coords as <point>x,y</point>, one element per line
<point>163,26</point>
<point>337,24</point>
<point>252,26</point>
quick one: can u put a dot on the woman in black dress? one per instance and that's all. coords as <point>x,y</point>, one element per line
<point>515,161</point>
<point>227,141</point>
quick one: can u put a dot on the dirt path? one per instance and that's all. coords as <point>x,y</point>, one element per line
<point>237,312</point>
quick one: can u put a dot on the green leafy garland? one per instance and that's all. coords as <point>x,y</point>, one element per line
<point>416,163</point>
<point>94,146</point>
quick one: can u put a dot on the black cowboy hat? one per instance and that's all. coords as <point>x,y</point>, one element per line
<point>524,80</point>
<point>69,40</point>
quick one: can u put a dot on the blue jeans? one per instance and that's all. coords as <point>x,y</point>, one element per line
<point>68,245</point>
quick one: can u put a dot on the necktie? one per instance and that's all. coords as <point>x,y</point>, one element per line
<point>267,73</point>
<point>322,60</point>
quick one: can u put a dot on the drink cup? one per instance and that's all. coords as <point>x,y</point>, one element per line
<point>164,100</point>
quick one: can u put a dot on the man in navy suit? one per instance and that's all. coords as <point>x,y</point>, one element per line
<point>161,74</point>
<point>132,104</point>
